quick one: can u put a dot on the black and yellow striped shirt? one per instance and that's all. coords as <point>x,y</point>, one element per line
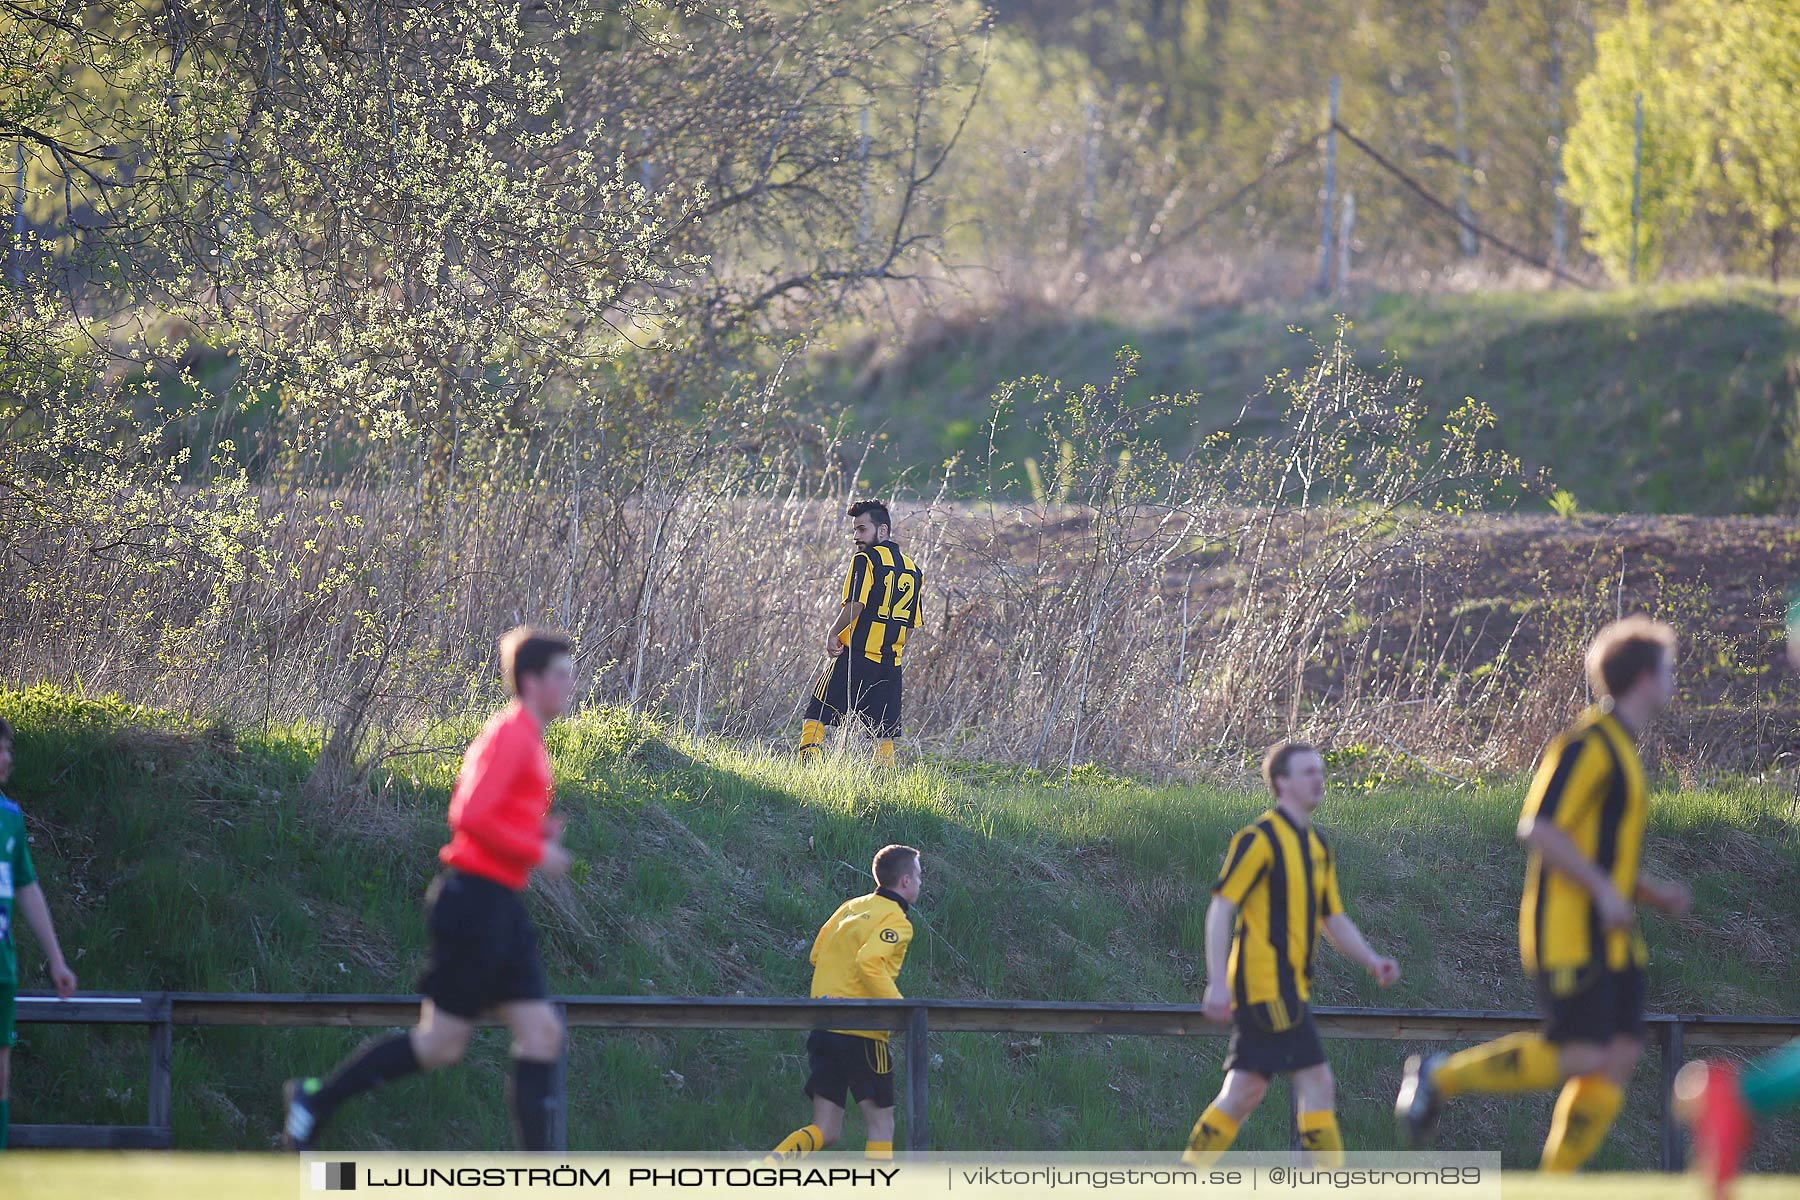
<point>1283,880</point>
<point>889,587</point>
<point>1590,784</point>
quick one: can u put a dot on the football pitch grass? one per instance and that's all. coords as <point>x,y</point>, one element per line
<point>52,1175</point>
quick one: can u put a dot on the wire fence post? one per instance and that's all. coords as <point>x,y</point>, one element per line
<point>1672,1039</point>
<point>162,1072</point>
<point>1328,193</point>
<point>1346,233</point>
<point>1465,165</point>
<point>918,1065</point>
<point>1637,177</point>
<point>1559,220</point>
<point>1090,186</point>
<point>559,1088</point>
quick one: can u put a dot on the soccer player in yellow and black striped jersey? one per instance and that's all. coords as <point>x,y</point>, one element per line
<point>857,956</point>
<point>1277,892</point>
<point>1584,824</point>
<point>883,595</point>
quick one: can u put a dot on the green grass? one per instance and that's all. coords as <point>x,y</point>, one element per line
<point>179,856</point>
<point>1677,398</point>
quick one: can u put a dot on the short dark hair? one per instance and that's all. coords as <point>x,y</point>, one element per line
<point>877,511</point>
<point>527,651</point>
<point>1275,762</point>
<point>6,733</point>
<point>893,863</point>
<point>1622,652</point>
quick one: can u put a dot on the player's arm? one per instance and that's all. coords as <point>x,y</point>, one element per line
<point>1562,854</point>
<point>1670,895</point>
<point>878,961</point>
<point>1245,864</point>
<point>1221,919</point>
<point>847,617</point>
<point>1343,933</point>
<point>37,915</point>
<point>856,597</point>
<point>1568,782</point>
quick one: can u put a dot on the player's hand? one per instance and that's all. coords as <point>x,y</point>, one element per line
<point>63,978</point>
<point>1672,897</point>
<point>553,828</point>
<point>556,860</point>
<point>1216,1003</point>
<point>1386,971</point>
<point>833,646</point>
<point>1615,910</point>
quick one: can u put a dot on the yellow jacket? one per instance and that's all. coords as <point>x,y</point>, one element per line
<point>858,952</point>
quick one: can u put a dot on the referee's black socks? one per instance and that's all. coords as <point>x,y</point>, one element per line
<point>375,1064</point>
<point>533,1100</point>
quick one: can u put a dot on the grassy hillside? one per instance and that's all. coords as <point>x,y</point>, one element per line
<point>1666,399</point>
<point>184,857</point>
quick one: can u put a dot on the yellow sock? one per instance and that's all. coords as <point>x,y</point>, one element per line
<point>801,1142</point>
<point>1320,1138</point>
<point>884,752</point>
<point>812,738</point>
<point>1518,1062</point>
<point>1584,1112</point>
<point>879,1150</point>
<point>1212,1135</point>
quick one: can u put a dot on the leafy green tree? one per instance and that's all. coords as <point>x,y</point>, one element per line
<point>465,258</point>
<point>1749,64</point>
<point>1648,54</point>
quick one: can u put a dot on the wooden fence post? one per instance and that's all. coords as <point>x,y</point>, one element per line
<point>1672,1039</point>
<point>918,1066</point>
<point>162,1073</point>
<point>559,1089</point>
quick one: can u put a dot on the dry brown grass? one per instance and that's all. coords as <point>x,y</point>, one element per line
<point>1151,614</point>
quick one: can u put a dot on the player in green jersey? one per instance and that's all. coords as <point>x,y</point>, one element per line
<point>1722,1103</point>
<point>19,892</point>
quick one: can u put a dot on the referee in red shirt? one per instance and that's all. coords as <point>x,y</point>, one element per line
<point>484,952</point>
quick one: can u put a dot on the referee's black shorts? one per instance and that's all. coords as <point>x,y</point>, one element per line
<point>1262,1050</point>
<point>853,684</point>
<point>484,950</point>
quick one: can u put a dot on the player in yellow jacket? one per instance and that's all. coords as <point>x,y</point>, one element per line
<point>857,956</point>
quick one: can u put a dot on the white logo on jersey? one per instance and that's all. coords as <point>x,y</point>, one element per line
<point>5,881</point>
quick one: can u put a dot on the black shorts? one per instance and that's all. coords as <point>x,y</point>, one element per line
<point>854,684</point>
<point>483,949</point>
<point>840,1062</point>
<point>1592,1004</point>
<point>1267,1052</point>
